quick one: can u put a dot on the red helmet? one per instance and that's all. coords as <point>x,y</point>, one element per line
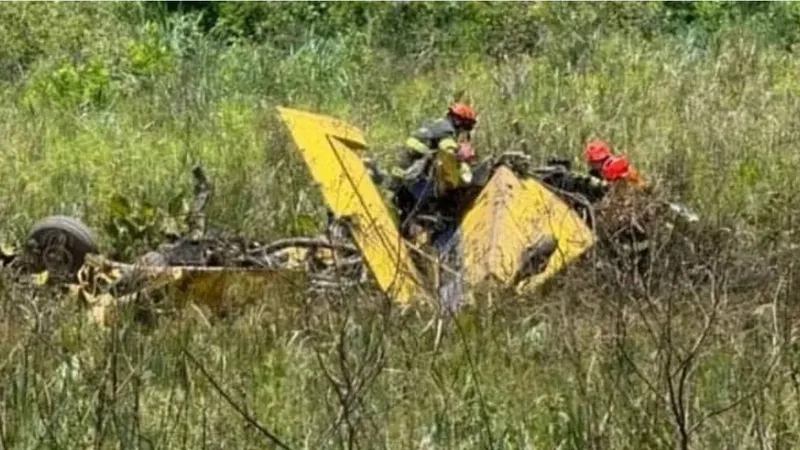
<point>616,168</point>
<point>462,112</point>
<point>596,152</point>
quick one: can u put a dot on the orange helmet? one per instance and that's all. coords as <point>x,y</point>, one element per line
<point>596,152</point>
<point>462,112</point>
<point>615,169</point>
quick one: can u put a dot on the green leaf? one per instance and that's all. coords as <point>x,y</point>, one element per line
<point>7,249</point>
<point>305,223</point>
<point>176,205</point>
<point>147,212</point>
<point>112,229</point>
<point>120,206</point>
<point>143,230</point>
<point>127,225</point>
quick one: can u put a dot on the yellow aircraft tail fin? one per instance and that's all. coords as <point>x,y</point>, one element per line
<point>328,147</point>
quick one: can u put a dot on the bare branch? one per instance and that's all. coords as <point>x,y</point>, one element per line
<point>277,442</point>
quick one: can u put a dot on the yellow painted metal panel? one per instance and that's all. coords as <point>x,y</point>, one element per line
<point>328,147</point>
<point>218,289</point>
<point>212,288</point>
<point>509,215</point>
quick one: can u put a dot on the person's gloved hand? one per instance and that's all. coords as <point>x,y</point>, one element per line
<point>465,153</point>
<point>465,171</point>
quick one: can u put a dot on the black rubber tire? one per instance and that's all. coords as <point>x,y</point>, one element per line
<point>78,240</point>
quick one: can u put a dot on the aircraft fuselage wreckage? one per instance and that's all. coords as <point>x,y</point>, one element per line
<point>505,229</point>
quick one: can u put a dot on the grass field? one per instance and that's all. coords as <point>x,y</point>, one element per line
<point>104,107</point>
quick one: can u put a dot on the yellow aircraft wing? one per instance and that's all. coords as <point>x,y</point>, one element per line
<point>212,288</point>
<point>328,147</point>
<point>511,214</point>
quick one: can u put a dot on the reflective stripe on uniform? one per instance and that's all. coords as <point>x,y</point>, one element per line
<point>597,182</point>
<point>416,146</point>
<point>413,171</point>
<point>448,144</point>
<point>397,172</point>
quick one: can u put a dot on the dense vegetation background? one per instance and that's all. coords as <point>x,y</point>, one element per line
<point>108,103</point>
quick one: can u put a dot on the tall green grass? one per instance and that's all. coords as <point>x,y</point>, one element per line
<point>112,101</point>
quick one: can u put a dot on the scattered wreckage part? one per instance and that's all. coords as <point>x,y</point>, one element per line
<point>519,162</point>
<point>59,244</point>
<point>305,242</point>
<point>152,274</point>
<point>510,214</point>
<point>107,285</point>
<point>161,275</point>
<point>211,252</point>
<point>684,212</point>
<point>329,148</point>
<point>152,258</point>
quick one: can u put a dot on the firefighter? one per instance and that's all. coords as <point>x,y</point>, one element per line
<point>610,168</point>
<point>452,133</point>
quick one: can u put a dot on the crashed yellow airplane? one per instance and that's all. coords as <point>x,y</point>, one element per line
<point>498,230</point>
<point>508,217</point>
